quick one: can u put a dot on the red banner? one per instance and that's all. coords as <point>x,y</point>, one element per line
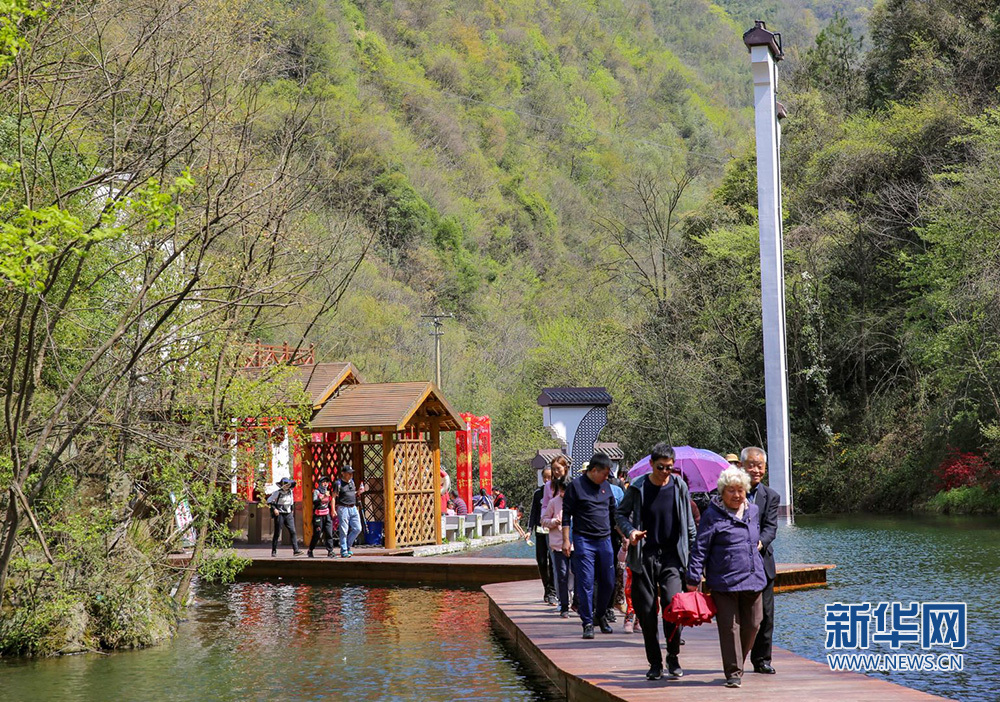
<point>478,434</point>
<point>463,459</point>
<point>485,455</point>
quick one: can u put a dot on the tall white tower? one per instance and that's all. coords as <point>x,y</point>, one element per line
<point>765,52</point>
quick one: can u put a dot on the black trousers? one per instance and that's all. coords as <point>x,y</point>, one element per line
<point>738,618</point>
<point>761,651</point>
<point>544,564</point>
<point>288,521</point>
<point>322,525</point>
<point>660,578</point>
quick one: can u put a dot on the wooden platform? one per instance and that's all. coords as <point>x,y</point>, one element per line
<point>377,565</point>
<point>372,566</point>
<point>613,666</point>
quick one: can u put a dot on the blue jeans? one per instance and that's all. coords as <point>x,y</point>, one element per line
<point>350,527</point>
<point>560,572</point>
<point>593,564</point>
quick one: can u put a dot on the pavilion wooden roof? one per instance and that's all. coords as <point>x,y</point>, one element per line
<point>386,407</point>
<point>321,380</point>
<point>318,380</point>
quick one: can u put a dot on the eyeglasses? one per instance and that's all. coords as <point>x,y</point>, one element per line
<point>663,468</point>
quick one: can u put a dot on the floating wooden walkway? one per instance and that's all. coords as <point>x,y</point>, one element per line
<point>441,571</point>
<point>613,666</point>
<point>376,565</point>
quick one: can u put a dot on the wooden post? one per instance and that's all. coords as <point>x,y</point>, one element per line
<point>436,455</point>
<point>357,456</point>
<point>307,495</point>
<point>358,463</point>
<point>389,464</point>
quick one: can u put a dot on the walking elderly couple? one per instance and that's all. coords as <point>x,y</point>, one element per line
<point>731,548</point>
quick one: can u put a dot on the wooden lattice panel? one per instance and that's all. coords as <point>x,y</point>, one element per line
<point>373,501</point>
<point>414,492</point>
<point>327,458</point>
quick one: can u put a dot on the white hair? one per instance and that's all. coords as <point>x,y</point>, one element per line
<point>734,476</point>
<point>745,453</point>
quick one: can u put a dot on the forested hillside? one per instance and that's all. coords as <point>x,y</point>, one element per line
<point>573,181</point>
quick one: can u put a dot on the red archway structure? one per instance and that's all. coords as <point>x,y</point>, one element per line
<point>478,432</point>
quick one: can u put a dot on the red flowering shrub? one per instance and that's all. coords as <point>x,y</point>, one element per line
<point>961,469</point>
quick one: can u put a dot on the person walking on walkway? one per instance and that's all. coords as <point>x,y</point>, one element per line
<point>552,520</point>
<point>588,509</point>
<point>617,539</point>
<point>346,496</point>
<point>541,533</point>
<point>656,515</point>
<point>322,519</point>
<point>558,468</point>
<point>726,552</point>
<point>282,502</point>
<point>754,461</point>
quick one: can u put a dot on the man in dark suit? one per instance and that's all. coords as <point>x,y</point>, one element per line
<point>754,461</point>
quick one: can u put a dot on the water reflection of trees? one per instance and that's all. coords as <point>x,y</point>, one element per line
<point>382,642</point>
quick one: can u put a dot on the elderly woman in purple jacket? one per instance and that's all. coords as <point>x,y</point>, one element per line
<point>726,551</point>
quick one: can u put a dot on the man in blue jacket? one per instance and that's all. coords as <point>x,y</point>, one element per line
<point>656,515</point>
<point>754,461</point>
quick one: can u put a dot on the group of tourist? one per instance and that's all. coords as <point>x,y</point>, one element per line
<point>453,503</point>
<point>668,546</point>
<point>330,498</point>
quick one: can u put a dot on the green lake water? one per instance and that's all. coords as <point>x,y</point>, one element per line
<point>299,641</point>
<point>292,640</point>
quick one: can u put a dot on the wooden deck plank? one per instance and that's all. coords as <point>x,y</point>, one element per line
<point>444,571</point>
<point>379,565</point>
<point>613,666</point>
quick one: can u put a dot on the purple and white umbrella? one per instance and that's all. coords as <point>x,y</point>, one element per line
<point>701,467</point>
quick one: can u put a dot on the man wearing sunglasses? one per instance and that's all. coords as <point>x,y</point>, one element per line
<point>656,514</point>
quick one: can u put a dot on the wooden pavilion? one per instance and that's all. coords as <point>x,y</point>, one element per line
<point>390,433</point>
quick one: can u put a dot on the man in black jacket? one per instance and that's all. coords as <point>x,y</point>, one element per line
<point>754,461</point>
<point>656,516</point>
<point>541,536</point>
<point>589,512</point>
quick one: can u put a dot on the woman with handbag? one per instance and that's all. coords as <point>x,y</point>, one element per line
<point>725,550</point>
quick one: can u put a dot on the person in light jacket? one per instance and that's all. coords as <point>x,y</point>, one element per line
<point>552,520</point>
<point>726,552</point>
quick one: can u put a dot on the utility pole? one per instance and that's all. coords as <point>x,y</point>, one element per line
<point>438,321</point>
<point>765,52</point>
